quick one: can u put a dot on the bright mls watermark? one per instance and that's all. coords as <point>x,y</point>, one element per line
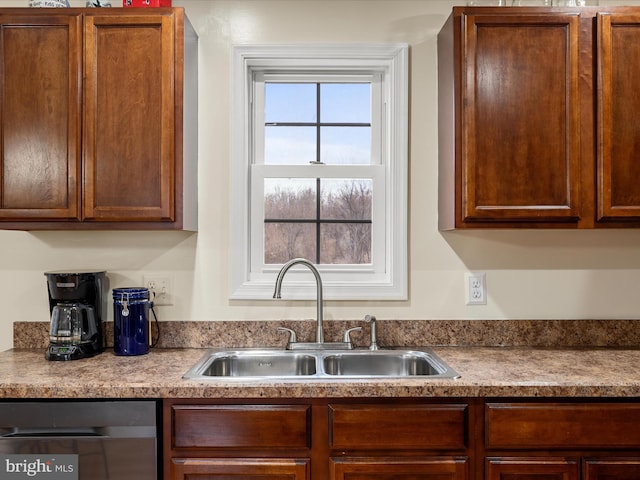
<point>50,467</point>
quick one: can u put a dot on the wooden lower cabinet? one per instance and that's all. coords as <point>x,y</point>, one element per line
<point>402,439</point>
<point>562,468</point>
<point>318,439</point>
<point>388,432</point>
<point>562,440</point>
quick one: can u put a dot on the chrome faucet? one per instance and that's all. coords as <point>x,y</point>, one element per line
<point>276,294</point>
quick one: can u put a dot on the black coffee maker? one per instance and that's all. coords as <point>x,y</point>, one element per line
<point>77,304</point>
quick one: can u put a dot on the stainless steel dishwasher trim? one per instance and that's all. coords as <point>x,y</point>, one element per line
<point>66,414</point>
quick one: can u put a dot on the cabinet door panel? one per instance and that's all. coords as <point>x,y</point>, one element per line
<point>612,468</point>
<point>129,118</point>
<point>239,469</point>
<point>571,425</point>
<point>241,426</point>
<point>519,159</point>
<point>40,109</point>
<point>392,468</point>
<point>618,107</point>
<point>410,426</point>
<point>533,468</point>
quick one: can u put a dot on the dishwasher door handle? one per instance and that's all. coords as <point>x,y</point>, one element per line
<point>52,432</point>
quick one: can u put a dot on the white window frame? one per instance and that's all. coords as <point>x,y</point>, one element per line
<point>382,280</point>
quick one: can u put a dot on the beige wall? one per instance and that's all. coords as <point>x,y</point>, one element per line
<point>530,274</point>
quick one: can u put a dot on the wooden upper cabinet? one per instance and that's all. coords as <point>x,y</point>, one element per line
<point>99,119</point>
<point>517,116</point>
<point>618,107</point>
<point>520,113</point>
<point>40,78</point>
<point>538,115</point>
<point>129,124</point>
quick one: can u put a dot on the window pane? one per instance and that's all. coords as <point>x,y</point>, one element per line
<point>345,145</point>
<point>290,102</point>
<point>289,145</point>
<point>345,243</point>
<point>345,103</point>
<point>346,199</point>
<point>289,198</point>
<point>292,218</point>
<point>284,241</point>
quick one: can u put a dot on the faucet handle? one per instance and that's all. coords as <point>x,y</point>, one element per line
<point>347,335</point>
<point>292,335</point>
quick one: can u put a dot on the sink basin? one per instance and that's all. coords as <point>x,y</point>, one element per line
<point>261,364</point>
<point>382,363</point>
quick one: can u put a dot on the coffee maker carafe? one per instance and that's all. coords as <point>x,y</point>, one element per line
<point>76,304</point>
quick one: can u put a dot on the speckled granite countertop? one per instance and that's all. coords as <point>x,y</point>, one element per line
<point>485,372</point>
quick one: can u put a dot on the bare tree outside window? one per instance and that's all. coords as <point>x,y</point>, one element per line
<point>284,239</point>
<point>329,221</point>
<point>347,240</point>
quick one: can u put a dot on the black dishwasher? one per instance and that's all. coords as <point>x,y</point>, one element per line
<point>79,440</point>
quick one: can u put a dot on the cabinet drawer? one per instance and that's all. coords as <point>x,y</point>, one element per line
<point>611,468</point>
<point>399,468</point>
<point>241,426</point>
<point>398,427</point>
<point>523,468</point>
<point>239,468</point>
<point>571,425</point>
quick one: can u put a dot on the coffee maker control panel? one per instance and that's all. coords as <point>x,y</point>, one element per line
<point>62,351</point>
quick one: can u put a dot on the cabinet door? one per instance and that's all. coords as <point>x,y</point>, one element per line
<point>519,122</point>
<point>40,76</point>
<point>239,469</point>
<point>618,106</point>
<point>393,468</point>
<point>129,129</point>
<point>533,468</point>
<point>611,468</point>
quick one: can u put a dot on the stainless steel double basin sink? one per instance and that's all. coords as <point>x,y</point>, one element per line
<point>278,364</point>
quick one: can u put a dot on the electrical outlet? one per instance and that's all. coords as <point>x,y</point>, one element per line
<point>476,288</point>
<point>160,287</point>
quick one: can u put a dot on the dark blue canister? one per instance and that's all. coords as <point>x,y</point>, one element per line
<point>131,321</point>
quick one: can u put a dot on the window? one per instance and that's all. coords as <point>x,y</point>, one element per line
<point>319,169</point>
